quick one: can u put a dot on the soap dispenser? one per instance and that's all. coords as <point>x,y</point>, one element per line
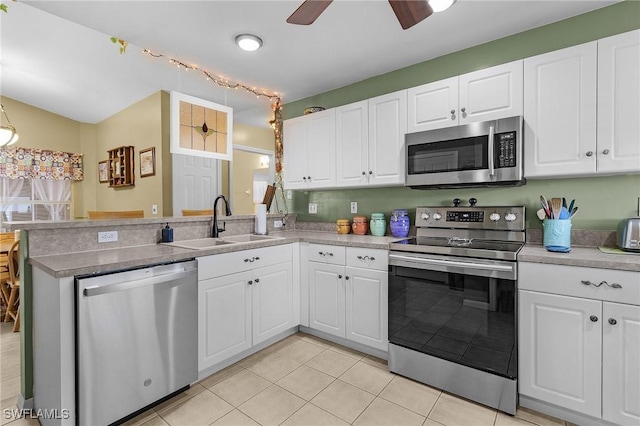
<point>167,234</point>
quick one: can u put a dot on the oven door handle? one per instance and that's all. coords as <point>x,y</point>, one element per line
<point>453,263</point>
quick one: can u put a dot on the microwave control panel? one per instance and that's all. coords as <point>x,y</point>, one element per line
<point>505,152</point>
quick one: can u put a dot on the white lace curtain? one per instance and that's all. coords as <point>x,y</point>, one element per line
<point>51,191</point>
<point>12,189</point>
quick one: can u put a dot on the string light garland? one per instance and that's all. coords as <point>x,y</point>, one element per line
<point>276,107</point>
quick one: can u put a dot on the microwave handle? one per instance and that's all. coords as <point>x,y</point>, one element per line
<point>491,147</point>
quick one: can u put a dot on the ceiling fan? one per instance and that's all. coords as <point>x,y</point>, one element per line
<point>408,12</point>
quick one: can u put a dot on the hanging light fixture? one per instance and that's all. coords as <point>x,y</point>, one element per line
<point>8,133</point>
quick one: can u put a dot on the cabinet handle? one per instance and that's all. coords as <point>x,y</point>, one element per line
<point>309,177</point>
<point>363,173</point>
<point>304,178</point>
<point>256,258</point>
<point>463,110</point>
<point>370,172</point>
<point>366,258</point>
<point>612,321</point>
<point>453,113</point>
<point>340,276</point>
<point>257,280</point>
<point>593,318</point>
<point>612,285</point>
<point>347,277</point>
<point>250,282</point>
<point>325,253</point>
<point>246,260</point>
<point>605,152</point>
<point>589,153</point>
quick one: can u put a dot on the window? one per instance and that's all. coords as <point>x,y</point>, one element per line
<point>34,199</point>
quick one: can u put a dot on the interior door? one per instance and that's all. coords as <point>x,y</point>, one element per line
<point>196,182</point>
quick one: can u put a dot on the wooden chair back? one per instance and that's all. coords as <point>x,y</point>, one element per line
<point>125,214</point>
<point>14,263</point>
<point>197,212</point>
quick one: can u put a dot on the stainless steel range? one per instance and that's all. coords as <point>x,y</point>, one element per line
<point>452,302</point>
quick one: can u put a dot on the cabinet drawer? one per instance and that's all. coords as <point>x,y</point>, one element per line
<point>368,258</point>
<point>334,255</point>
<point>568,281</point>
<point>218,265</point>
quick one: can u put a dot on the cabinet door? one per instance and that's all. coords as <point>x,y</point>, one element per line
<point>387,128</point>
<point>327,298</point>
<point>491,93</point>
<point>621,363</point>
<point>560,112</point>
<point>367,307</point>
<point>560,340</point>
<point>352,144</point>
<point>295,153</point>
<point>224,318</point>
<point>433,105</point>
<point>321,154</point>
<point>272,292</point>
<point>619,103</point>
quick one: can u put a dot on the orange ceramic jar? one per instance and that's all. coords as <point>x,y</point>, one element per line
<point>343,226</point>
<point>360,225</point>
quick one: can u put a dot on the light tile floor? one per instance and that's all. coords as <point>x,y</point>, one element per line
<point>301,380</point>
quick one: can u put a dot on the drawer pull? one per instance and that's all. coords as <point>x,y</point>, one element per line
<point>250,282</point>
<point>593,318</point>
<point>325,253</point>
<point>612,321</point>
<point>257,280</point>
<point>370,258</point>
<point>612,285</point>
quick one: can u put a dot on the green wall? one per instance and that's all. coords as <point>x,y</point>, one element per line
<point>602,200</point>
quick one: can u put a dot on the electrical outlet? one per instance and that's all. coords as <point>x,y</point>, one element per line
<point>313,208</point>
<point>154,209</point>
<point>108,237</point>
<point>354,207</point>
<point>289,194</point>
<point>277,224</point>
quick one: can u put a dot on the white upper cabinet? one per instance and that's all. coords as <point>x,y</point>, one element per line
<point>309,151</point>
<point>619,103</point>
<point>352,144</point>
<point>387,128</point>
<point>582,109</point>
<point>560,112</point>
<point>487,94</point>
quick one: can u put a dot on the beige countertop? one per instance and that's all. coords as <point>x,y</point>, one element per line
<point>97,261</point>
<point>590,257</point>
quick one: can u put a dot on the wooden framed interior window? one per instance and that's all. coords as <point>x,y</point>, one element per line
<point>201,128</point>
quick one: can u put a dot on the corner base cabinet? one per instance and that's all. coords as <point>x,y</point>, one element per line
<point>579,340</point>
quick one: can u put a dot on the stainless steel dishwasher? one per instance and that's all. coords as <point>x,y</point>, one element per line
<point>136,339</point>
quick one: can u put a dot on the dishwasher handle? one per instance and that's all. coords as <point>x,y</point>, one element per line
<point>129,285</point>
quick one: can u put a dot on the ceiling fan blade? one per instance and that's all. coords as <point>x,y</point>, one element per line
<point>308,12</point>
<point>410,12</point>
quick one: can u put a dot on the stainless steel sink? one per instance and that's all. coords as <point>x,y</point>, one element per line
<point>200,244</point>
<point>248,238</point>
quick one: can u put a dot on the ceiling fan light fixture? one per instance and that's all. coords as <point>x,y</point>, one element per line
<point>8,133</point>
<point>248,42</point>
<point>441,5</point>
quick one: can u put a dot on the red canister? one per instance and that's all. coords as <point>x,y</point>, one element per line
<point>360,225</point>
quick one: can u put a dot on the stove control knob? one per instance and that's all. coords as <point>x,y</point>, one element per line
<point>510,217</point>
<point>473,202</point>
<point>425,215</point>
<point>494,217</point>
<point>437,216</point>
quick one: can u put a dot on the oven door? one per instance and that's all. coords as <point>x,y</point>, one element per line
<point>458,309</point>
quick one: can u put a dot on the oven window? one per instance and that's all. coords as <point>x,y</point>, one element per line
<point>449,156</point>
<point>466,319</point>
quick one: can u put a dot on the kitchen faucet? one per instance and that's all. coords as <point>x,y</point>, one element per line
<point>215,231</point>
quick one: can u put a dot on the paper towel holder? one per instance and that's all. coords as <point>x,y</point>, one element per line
<point>260,226</point>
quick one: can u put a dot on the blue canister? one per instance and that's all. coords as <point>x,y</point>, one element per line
<point>556,235</point>
<point>399,223</point>
<point>378,224</point>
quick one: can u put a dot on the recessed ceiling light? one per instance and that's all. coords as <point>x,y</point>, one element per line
<point>440,5</point>
<point>248,42</point>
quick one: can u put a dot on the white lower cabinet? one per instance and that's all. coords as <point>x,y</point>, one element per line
<point>579,341</point>
<point>349,301</point>
<point>245,307</point>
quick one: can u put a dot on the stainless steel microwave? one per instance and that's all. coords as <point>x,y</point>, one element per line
<point>478,154</point>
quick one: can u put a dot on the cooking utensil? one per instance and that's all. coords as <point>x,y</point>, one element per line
<point>543,201</point>
<point>564,213</point>
<point>573,212</point>
<point>570,208</point>
<point>542,215</point>
<point>564,202</point>
<point>556,205</point>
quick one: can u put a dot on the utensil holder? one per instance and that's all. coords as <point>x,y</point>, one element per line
<point>557,235</point>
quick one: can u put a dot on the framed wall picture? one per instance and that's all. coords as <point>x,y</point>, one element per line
<point>103,171</point>
<point>148,162</point>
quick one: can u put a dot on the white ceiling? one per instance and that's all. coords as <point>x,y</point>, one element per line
<point>56,55</point>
